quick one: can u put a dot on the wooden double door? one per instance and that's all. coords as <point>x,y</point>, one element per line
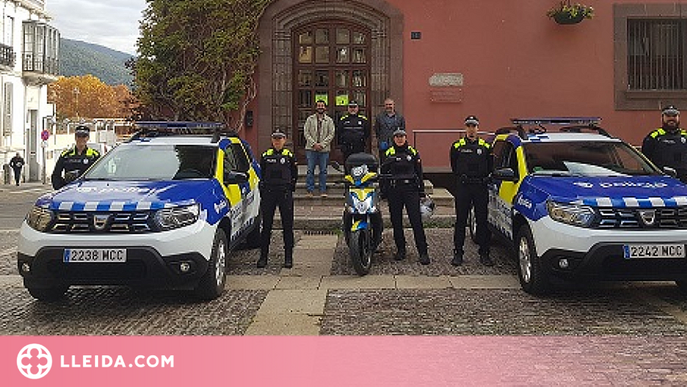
<point>331,63</point>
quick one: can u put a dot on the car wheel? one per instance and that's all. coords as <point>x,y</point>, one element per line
<point>50,294</point>
<point>211,285</point>
<point>533,278</point>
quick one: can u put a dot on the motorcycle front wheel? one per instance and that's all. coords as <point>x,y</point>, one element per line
<point>360,247</point>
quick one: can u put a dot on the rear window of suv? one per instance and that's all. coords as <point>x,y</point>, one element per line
<point>155,162</point>
<point>586,158</point>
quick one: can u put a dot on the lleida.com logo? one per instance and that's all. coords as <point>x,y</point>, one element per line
<point>34,361</point>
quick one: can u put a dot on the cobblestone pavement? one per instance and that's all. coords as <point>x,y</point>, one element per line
<point>440,241</point>
<point>493,312</point>
<point>120,311</point>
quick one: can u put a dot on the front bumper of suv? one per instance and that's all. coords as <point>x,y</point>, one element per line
<point>153,259</point>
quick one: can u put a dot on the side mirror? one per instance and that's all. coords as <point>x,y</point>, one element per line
<point>670,171</point>
<point>233,177</point>
<point>504,174</point>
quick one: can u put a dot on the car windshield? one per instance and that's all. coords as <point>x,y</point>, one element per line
<point>586,158</point>
<point>155,162</point>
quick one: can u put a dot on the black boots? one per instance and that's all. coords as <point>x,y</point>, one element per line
<point>288,258</point>
<point>262,262</point>
<point>424,259</point>
<point>400,255</point>
<point>457,258</point>
<point>485,260</point>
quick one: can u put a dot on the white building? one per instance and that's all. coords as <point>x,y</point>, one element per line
<point>28,63</point>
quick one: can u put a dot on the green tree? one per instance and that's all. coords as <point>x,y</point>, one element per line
<point>197,58</point>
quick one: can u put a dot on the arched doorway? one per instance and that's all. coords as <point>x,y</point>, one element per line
<point>278,85</point>
<point>331,63</point>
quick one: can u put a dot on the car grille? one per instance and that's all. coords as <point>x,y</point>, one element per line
<point>103,222</point>
<point>639,218</point>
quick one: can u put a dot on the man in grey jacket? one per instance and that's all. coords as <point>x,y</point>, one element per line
<point>319,132</point>
<point>386,123</point>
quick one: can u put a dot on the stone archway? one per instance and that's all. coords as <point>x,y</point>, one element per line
<point>275,66</point>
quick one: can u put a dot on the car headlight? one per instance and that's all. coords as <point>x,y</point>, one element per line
<point>171,218</point>
<point>573,214</point>
<point>39,218</point>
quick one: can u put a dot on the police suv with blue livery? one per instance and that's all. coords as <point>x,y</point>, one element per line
<point>163,209</point>
<point>581,204</point>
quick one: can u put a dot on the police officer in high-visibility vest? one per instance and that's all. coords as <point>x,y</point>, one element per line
<point>667,145</point>
<point>471,163</point>
<point>352,131</point>
<point>405,187</point>
<point>279,174</point>
<point>75,161</point>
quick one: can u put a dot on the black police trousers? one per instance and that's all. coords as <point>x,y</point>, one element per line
<point>406,195</point>
<point>273,197</point>
<point>468,195</point>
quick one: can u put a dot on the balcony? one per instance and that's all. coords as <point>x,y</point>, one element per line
<point>40,63</point>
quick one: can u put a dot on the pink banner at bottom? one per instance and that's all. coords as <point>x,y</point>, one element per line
<point>339,361</point>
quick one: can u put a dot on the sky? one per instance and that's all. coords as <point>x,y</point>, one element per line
<point>110,23</point>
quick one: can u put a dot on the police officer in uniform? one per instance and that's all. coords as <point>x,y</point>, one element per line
<point>279,174</point>
<point>405,188</point>
<point>352,131</point>
<point>471,163</point>
<point>667,145</point>
<point>74,162</point>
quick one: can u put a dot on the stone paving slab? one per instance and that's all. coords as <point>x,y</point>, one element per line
<point>284,325</point>
<point>355,282</point>
<point>258,282</point>
<point>421,282</point>
<point>299,283</point>
<point>485,282</point>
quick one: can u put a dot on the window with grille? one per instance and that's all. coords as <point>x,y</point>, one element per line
<point>656,54</point>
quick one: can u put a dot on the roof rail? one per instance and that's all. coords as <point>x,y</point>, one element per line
<point>147,129</point>
<point>580,128</point>
<point>556,121</point>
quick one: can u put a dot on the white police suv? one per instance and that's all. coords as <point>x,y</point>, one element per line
<point>161,210</point>
<point>580,204</point>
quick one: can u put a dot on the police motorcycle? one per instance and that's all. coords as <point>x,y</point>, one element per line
<point>362,218</point>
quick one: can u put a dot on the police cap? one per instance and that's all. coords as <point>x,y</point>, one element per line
<point>471,120</point>
<point>670,110</point>
<point>278,133</point>
<point>352,103</point>
<point>399,132</point>
<point>82,131</point>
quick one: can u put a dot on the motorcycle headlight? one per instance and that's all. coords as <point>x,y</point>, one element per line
<point>572,214</point>
<point>171,218</point>
<point>361,206</point>
<point>359,171</point>
<point>39,218</point>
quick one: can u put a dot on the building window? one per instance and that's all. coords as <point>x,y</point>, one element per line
<point>41,48</point>
<point>650,56</point>
<point>656,54</point>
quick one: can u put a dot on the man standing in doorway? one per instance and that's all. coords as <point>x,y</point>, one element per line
<point>386,123</point>
<point>353,131</point>
<point>17,163</point>
<point>319,132</point>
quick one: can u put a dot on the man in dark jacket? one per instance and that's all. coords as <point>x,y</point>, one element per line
<point>17,163</point>
<point>385,124</point>
<point>667,146</point>
<point>75,161</point>
<point>352,131</point>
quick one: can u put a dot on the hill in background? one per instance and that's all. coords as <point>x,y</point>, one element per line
<point>80,58</point>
